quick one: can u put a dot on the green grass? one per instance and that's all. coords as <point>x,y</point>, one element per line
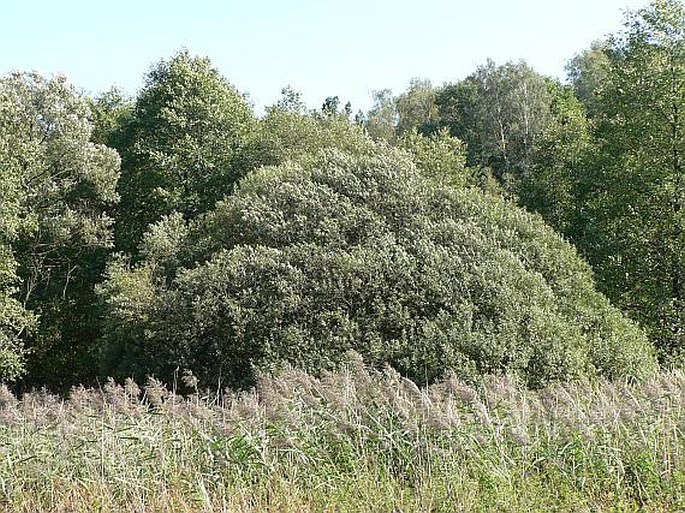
<point>356,440</point>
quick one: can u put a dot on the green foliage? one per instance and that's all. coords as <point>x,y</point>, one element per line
<point>634,233</point>
<point>415,110</point>
<point>589,72</point>
<point>557,186</point>
<point>442,158</point>
<point>289,132</point>
<point>57,190</point>
<point>373,235</point>
<point>530,131</point>
<point>110,113</point>
<point>307,261</point>
<point>14,320</point>
<point>189,138</point>
<point>381,121</point>
<point>130,308</point>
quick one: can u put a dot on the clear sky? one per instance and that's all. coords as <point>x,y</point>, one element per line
<point>320,47</point>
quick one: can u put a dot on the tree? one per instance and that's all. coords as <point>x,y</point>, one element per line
<point>416,108</point>
<point>290,101</point>
<point>636,226</point>
<point>58,188</point>
<point>440,157</point>
<point>110,112</point>
<point>361,252</point>
<point>289,132</point>
<point>499,112</point>
<point>393,116</point>
<point>558,185</point>
<point>14,319</point>
<point>589,72</point>
<point>382,119</point>
<point>330,106</point>
<point>191,136</point>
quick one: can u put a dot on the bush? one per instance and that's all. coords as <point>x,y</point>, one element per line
<point>306,262</point>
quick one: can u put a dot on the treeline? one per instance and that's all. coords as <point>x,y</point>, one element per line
<point>447,229</point>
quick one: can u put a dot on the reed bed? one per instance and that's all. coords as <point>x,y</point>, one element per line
<point>354,440</point>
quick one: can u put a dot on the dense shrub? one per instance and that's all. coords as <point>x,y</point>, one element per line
<point>305,262</point>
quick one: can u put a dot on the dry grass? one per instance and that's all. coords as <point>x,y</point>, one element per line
<point>356,440</point>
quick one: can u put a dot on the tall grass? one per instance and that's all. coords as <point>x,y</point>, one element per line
<point>355,440</point>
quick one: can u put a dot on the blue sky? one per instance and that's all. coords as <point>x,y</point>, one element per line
<point>320,47</point>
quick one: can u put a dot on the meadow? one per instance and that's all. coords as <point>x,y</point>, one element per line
<point>354,440</point>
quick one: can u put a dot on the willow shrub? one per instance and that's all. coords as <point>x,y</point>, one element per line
<point>308,261</point>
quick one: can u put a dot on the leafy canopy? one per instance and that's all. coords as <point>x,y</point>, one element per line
<point>188,139</point>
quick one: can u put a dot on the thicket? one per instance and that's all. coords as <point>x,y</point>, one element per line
<point>306,262</point>
<point>178,229</point>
